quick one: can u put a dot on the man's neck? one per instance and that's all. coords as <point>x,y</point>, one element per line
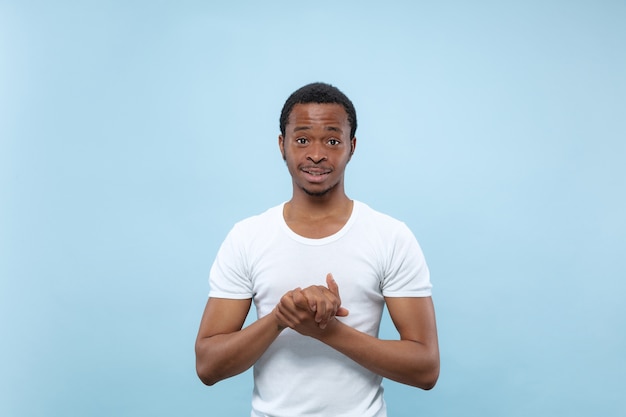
<point>317,216</point>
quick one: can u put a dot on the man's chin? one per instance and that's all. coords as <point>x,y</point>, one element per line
<point>317,193</point>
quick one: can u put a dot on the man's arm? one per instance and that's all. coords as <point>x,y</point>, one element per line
<point>223,348</point>
<point>412,360</point>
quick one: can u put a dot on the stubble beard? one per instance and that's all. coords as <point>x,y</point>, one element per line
<point>319,193</point>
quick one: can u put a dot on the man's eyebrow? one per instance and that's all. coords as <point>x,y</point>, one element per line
<point>331,128</point>
<point>299,128</point>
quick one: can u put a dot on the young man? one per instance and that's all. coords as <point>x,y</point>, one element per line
<point>314,346</point>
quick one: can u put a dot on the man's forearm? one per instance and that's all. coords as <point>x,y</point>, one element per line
<point>405,361</point>
<point>224,355</point>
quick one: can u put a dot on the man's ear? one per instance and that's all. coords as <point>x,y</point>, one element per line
<point>281,146</point>
<point>352,146</point>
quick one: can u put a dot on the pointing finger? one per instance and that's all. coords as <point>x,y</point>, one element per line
<point>332,284</point>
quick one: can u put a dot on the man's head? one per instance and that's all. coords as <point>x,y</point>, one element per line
<point>317,123</point>
<point>321,93</point>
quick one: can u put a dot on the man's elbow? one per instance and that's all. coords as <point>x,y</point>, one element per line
<point>208,378</point>
<point>206,372</point>
<point>428,378</point>
<point>430,381</point>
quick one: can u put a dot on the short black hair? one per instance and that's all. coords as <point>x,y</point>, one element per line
<point>321,93</point>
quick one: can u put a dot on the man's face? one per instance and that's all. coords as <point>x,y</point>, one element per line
<point>317,146</point>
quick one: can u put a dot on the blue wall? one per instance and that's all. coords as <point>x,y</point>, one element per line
<point>134,134</point>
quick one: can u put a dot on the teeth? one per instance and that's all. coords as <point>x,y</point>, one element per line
<point>315,172</point>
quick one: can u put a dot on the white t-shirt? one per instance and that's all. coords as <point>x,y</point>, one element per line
<point>373,256</point>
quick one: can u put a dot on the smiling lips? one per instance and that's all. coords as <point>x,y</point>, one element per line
<point>315,174</point>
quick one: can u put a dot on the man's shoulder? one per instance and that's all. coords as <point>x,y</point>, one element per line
<point>268,218</point>
<point>381,226</point>
<point>369,214</point>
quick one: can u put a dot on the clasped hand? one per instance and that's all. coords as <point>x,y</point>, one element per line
<point>309,310</point>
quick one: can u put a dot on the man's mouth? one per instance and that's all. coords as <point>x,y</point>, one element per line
<point>316,171</point>
<point>315,174</point>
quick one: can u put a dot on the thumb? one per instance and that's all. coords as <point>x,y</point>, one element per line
<point>334,288</point>
<point>342,312</point>
<point>332,284</point>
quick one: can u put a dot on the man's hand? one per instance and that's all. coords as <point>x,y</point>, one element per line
<point>309,310</point>
<point>323,302</point>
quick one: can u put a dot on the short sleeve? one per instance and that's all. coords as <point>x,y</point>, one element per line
<point>229,277</point>
<point>406,273</point>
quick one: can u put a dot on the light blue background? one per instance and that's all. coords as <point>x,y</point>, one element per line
<point>134,134</point>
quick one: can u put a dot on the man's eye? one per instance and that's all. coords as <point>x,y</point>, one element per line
<point>301,141</point>
<point>333,142</point>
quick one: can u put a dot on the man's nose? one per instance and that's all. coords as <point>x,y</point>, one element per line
<point>317,153</point>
